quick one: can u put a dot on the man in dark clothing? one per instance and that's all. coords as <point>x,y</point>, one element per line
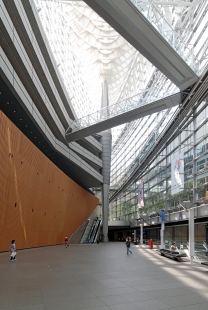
<point>128,244</point>
<point>13,251</point>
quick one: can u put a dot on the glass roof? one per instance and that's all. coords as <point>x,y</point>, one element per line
<point>180,23</point>
<point>88,51</point>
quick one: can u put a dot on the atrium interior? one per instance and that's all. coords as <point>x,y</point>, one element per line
<point>114,96</point>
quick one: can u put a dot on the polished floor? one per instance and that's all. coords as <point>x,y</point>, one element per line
<point>100,277</point>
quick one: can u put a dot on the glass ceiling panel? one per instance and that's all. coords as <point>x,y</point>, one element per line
<point>76,68</point>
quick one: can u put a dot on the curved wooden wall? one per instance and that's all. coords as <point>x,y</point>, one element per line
<point>39,204</point>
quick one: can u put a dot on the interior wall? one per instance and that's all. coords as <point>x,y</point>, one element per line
<point>39,204</point>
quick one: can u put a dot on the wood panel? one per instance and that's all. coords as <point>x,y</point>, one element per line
<point>39,204</point>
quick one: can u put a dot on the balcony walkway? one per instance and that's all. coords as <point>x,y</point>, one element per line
<point>120,113</point>
<point>100,277</point>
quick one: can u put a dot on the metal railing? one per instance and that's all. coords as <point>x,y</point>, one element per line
<point>141,99</point>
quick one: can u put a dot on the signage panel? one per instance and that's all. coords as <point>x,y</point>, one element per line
<point>162,215</point>
<point>177,174</point>
<point>141,194</point>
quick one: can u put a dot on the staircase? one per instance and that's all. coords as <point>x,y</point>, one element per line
<point>77,236</point>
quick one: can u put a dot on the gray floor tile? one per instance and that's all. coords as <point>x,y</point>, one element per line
<point>153,287</point>
<point>27,294</point>
<point>124,298</point>
<point>100,278</point>
<point>117,284</point>
<point>203,306</point>
<point>169,292</point>
<point>109,281</point>
<point>5,303</point>
<point>202,291</point>
<point>185,300</point>
<point>33,307</point>
<point>154,304</point>
<point>115,291</point>
<point>95,287</point>
<point>139,296</point>
<point>130,278</point>
<point>59,296</point>
<point>143,283</point>
<point>75,304</point>
<point>98,308</point>
<point>127,306</point>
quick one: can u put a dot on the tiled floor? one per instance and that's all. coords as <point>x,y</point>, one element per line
<point>100,277</point>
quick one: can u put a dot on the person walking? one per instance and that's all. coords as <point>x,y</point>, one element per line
<point>13,251</point>
<point>128,244</point>
<point>66,241</point>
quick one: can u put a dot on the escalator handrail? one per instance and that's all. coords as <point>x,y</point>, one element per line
<point>94,231</point>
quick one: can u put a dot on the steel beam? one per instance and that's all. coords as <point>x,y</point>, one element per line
<point>136,29</point>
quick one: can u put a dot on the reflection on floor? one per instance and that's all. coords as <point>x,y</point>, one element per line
<point>100,277</point>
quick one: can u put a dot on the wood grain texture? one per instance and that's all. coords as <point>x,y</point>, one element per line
<point>39,204</point>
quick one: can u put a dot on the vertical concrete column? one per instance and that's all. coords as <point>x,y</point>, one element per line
<point>105,210</point>
<point>191,234</point>
<point>141,234</point>
<point>106,141</point>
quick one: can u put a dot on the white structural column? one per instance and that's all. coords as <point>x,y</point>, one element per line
<point>106,141</point>
<point>162,228</point>
<point>191,234</point>
<point>191,211</point>
<point>141,234</point>
<point>162,235</point>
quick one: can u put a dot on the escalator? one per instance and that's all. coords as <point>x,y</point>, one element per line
<point>92,231</point>
<point>95,230</point>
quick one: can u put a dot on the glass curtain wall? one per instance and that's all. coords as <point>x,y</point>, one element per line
<point>157,176</point>
<point>184,27</point>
